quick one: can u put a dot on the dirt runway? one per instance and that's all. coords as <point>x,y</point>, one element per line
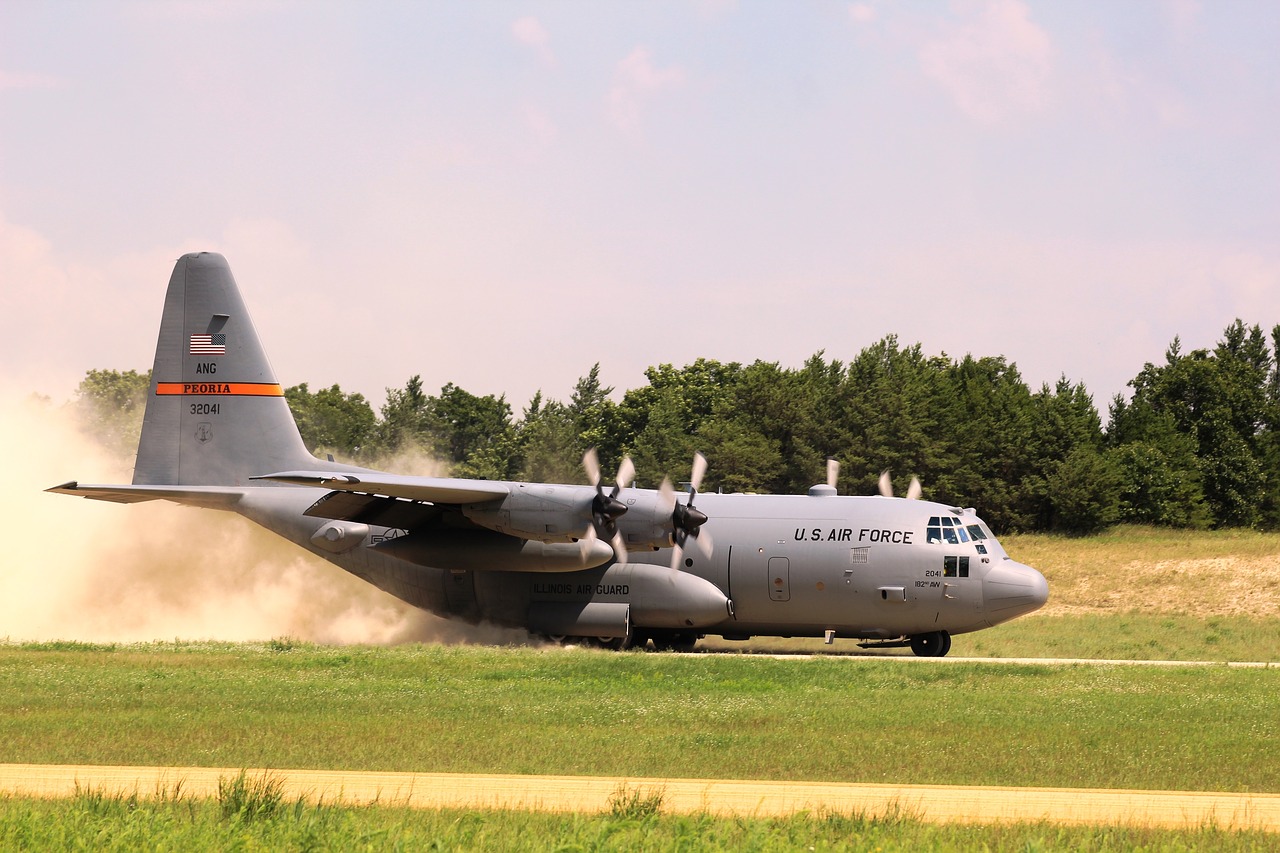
<point>939,803</point>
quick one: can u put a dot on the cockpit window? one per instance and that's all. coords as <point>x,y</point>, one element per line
<point>946,529</point>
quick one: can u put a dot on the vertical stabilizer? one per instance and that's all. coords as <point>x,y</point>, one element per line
<point>216,414</point>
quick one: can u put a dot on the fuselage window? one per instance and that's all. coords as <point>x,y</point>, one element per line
<point>955,567</point>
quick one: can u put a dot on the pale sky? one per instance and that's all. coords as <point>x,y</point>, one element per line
<point>501,194</point>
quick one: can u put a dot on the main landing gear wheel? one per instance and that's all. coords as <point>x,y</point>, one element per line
<point>616,644</point>
<point>933,645</point>
<point>675,641</point>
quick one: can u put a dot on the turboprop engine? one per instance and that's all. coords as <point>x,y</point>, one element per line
<point>562,514</point>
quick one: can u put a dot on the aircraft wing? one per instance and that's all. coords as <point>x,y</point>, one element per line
<point>216,497</point>
<point>439,490</point>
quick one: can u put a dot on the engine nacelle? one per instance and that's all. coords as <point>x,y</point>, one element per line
<point>551,513</point>
<point>647,521</point>
<point>546,513</point>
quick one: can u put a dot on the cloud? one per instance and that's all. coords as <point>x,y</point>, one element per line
<point>13,80</point>
<point>99,310</point>
<point>635,80</point>
<point>994,65</point>
<point>541,126</point>
<point>1184,18</point>
<point>862,13</point>
<point>69,315</point>
<point>530,32</point>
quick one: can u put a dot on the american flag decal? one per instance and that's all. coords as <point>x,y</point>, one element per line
<point>208,345</point>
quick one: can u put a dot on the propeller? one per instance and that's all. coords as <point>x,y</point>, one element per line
<point>913,491</point>
<point>606,509</point>
<point>833,471</point>
<point>686,519</point>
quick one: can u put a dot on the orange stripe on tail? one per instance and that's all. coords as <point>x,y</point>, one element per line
<point>224,389</point>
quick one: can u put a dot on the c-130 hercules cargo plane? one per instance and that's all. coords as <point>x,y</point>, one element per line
<point>618,565</point>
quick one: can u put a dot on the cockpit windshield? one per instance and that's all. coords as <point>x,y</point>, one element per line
<point>945,529</point>
<point>949,530</point>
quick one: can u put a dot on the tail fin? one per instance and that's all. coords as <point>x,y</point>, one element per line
<point>216,415</point>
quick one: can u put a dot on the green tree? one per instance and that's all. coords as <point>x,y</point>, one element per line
<point>1154,487</point>
<point>986,412</point>
<point>332,420</point>
<point>661,420</point>
<point>111,404</point>
<point>473,433</point>
<point>598,424</point>
<point>1221,401</point>
<point>751,436</point>
<point>1083,489</point>
<point>1269,440</point>
<point>890,406</point>
<point>1064,449</point>
<point>741,457</point>
<point>549,443</point>
<point>405,420</point>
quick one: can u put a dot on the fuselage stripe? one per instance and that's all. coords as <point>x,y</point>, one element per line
<point>225,389</point>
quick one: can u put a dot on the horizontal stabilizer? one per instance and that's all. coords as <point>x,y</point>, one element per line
<point>432,489</point>
<point>213,497</point>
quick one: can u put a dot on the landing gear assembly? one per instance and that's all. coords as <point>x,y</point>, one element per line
<point>932,645</point>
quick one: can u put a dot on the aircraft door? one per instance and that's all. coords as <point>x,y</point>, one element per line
<point>779,579</point>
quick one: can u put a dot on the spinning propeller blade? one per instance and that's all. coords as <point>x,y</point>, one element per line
<point>606,509</point>
<point>914,491</point>
<point>687,520</point>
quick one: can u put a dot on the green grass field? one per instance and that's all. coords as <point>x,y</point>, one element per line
<point>92,821</point>
<point>589,712</point>
<point>1135,593</point>
<point>1084,635</point>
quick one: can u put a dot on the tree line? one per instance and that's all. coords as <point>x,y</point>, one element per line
<point>1197,444</point>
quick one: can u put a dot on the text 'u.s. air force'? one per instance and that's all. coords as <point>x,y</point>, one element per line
<point>847,534</point>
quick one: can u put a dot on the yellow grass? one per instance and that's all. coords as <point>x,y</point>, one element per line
<point>1157,571</point>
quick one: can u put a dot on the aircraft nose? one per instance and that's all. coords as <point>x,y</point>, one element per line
<point>1011,589</point>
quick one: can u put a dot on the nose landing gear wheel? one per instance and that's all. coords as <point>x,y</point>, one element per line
<point>933,645</point>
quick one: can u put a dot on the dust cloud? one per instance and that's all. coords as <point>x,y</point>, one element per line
<point>76,569</point>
